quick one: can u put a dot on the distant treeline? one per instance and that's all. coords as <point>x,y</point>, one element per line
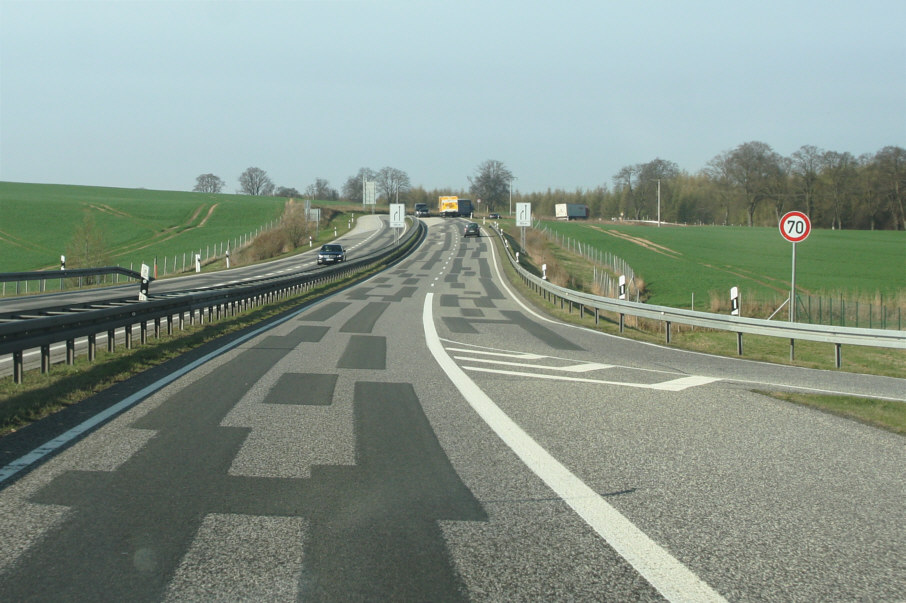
<point>751,184</point>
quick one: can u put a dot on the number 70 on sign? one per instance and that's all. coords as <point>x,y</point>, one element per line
<point>795,226</point>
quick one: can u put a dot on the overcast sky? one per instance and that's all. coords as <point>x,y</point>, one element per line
<point>564,93</point>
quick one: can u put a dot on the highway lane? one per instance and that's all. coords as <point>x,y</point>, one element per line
<point>369,234</point>
<point>422,436</point>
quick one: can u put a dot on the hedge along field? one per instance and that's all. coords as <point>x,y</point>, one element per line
<point>37,221</point>
<point>679,261</point>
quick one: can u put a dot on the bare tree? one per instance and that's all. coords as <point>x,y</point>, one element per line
<point>892,170</point>
<point>88,247</point>
<point>352,189</point>
<point>756,171</point>
<point>840,176</point>
<point>255,181</point>
<point>295,223</point>
<point>287,192</point>
<point>649,175</point>
<point>491,184</point>
<point>805,170</point>
<point>623,182</point>
<point>320,189</point>
<point>391,182</point>
<point>718,172</point>
<point>208,183</point>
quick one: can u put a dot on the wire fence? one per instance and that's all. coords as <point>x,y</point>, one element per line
<point>607,268</point>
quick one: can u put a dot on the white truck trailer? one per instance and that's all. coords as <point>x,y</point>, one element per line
<point>570,211</point>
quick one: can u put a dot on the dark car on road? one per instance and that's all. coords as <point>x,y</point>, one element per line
<point>331,254</point>
<point>471,230</point>
<point>494,216</point>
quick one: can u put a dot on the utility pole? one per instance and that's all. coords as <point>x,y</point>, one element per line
<point>658,202</point>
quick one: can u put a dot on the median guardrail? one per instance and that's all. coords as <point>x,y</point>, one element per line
<point>836,335</point>
<point>30,331</point>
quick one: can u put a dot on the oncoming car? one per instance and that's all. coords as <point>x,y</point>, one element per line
<point>494,216</point>
<point>331,254</point>
<point>471,230</point>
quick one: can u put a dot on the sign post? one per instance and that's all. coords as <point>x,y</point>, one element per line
<point>397,218</point>
<point>523,218</point>
<point>368,194</point>
<point>795,228</point>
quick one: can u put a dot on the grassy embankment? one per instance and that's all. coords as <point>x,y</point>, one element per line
<point>676,262</point>
<point>36,220</point>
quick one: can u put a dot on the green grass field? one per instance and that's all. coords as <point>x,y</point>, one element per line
<point>37,221</point>
<point>677,262</point>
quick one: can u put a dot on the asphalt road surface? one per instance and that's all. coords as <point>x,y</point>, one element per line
<point>423,436</point>
<point>369,235</point>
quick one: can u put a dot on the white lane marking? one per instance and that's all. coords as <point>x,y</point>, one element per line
<point>765,384</point>
<point>575,368</point>
<point>522,355</point>
<point>676,385</point>
<point>671,578</point>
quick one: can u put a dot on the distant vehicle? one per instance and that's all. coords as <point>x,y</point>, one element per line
<point>471,230</point>
<point>331,254</point>
<point>421,210</point>
<point>494,216</point>
<point>452,207</point>
<point>570,211</point>
<point>448,207</point>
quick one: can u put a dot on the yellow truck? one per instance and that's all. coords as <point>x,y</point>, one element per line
<point>448,207</point>
<point>451,207</point>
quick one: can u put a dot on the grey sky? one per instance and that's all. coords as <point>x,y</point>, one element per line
<point>152,94</point>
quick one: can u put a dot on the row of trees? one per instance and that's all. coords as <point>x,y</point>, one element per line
<point>255,181</point>
<point>750,184</point>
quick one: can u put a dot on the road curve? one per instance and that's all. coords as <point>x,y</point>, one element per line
<point>424,436</point>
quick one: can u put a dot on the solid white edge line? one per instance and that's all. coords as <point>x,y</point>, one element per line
<point>671,578</point>
<point>516,299</point>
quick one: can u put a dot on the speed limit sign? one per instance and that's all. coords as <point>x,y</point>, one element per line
<point>795,226</point>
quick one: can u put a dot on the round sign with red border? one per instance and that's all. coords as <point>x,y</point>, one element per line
<point>795,226</point>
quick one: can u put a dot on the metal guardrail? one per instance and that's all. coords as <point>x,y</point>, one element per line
<point>54,275</point>
<point>18,336</point>
<point>838,336</point>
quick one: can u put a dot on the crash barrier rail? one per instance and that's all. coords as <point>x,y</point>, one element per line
<point>29,331</point>
<point>836,335</point>
<point>53,275</point>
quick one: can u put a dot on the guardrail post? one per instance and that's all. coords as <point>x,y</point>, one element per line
<point>45,358</point>
<point>128,337</point>
<point>143,332</point>
<point>792,349</point>
<point>838,355</point>
<point>157,328</point>
<point>92,347</point>
<point>622,321</point>
<point>739,344</point>
<point>111,340</point>
<point>596,316</point>
<point>70,351</point>
<point>667,324</point>
<point>18,367</point>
